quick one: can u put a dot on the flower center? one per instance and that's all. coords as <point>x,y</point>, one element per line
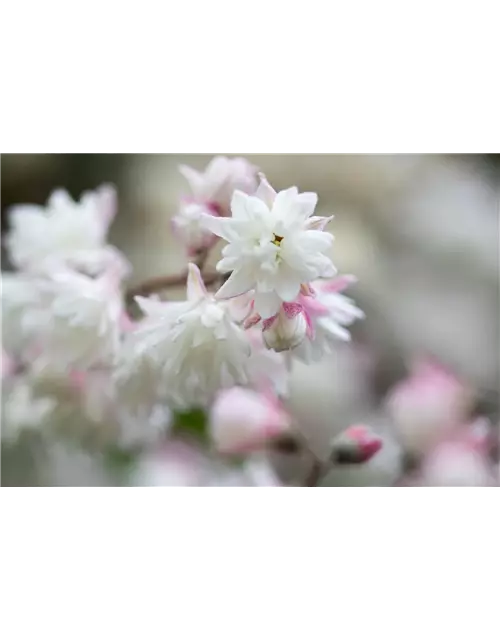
<point>277,240</point>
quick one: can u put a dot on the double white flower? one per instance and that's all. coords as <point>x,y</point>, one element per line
<point>194,346</point>
<point>65,233</point>
<point>275,245</point>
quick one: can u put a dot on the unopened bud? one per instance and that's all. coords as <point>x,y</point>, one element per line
<point>286,329</point>
<point>355,445</point>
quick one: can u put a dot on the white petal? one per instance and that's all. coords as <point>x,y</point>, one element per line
<point>221,227</point>
<point>287,288</point>
<point>196,289</point>
<point>22,213</point>
<point>265,192</point>
<point>150,306</point>
<point>284,203</point>
<point>239,282</point>
<point>227,264</point>
<point>60,199</point>
<point>267,304</point>
<point>245,207</point>
<point>318,222</point>
<point>313,240</point>
<point>308,202</point>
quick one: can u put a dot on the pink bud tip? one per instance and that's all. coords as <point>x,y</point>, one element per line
<point>355,445</point>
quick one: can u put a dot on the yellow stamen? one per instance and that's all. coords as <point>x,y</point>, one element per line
<point>277,240</point>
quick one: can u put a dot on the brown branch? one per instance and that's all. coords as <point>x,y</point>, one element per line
<point>160,283</point>
<point>314,474</point>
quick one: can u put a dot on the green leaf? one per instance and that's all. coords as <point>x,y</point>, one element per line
<point>193,422</point>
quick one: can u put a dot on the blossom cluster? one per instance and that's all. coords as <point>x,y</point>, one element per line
<point>227,348</point>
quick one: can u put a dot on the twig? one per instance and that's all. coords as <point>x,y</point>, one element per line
<point>314,474</point>
<point>160,283</point>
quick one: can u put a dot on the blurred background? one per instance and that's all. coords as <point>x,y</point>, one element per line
<point>420,232</point>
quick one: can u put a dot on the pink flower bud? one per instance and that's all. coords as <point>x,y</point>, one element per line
<point>287,329</point>
<point>242,420</point>
<point>427,405</point>
<point>356,444</point>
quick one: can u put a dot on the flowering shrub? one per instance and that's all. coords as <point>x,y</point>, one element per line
<point>205,376</point>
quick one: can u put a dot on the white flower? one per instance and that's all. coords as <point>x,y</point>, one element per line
<point>194,347</point>
<point>328,312</point>
<point>23,411</point>
<point>287,329</point>
<point>275,245</point>
<point>24,302</point>
<point>215,186</point>
<point>65,232</point>
<point>145,427</point>
<point>81,326</point>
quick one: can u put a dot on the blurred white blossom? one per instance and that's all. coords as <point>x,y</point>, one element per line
<point>80,327</point>
<point>194,346</point>
<point>23,410</point>
<point>214,187</point>
<point>65,232</point>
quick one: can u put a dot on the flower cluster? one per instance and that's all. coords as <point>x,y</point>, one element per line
<point>227,347</point>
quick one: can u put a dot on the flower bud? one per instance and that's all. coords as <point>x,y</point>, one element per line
<point>242,420</point>
<point>355,445</point>
<point>287,329</point>
<point>427,405</point>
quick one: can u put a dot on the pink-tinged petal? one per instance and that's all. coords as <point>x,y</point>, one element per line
<point>318,223</point>
<point>292,309</point>
<point>268,322</point>
<point>265,192</point>
<point>8,366</point>
<point>126,323</point>
<point>479,435</point>
<point>78,379</point>
<point>251,321</point>
<point>307,290</point>
<point>196,289</point>
<point>338,285</point>
<point>238,283</point>
<point>310,326</point>
<point>315,307</point>
<point>194,178</point>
